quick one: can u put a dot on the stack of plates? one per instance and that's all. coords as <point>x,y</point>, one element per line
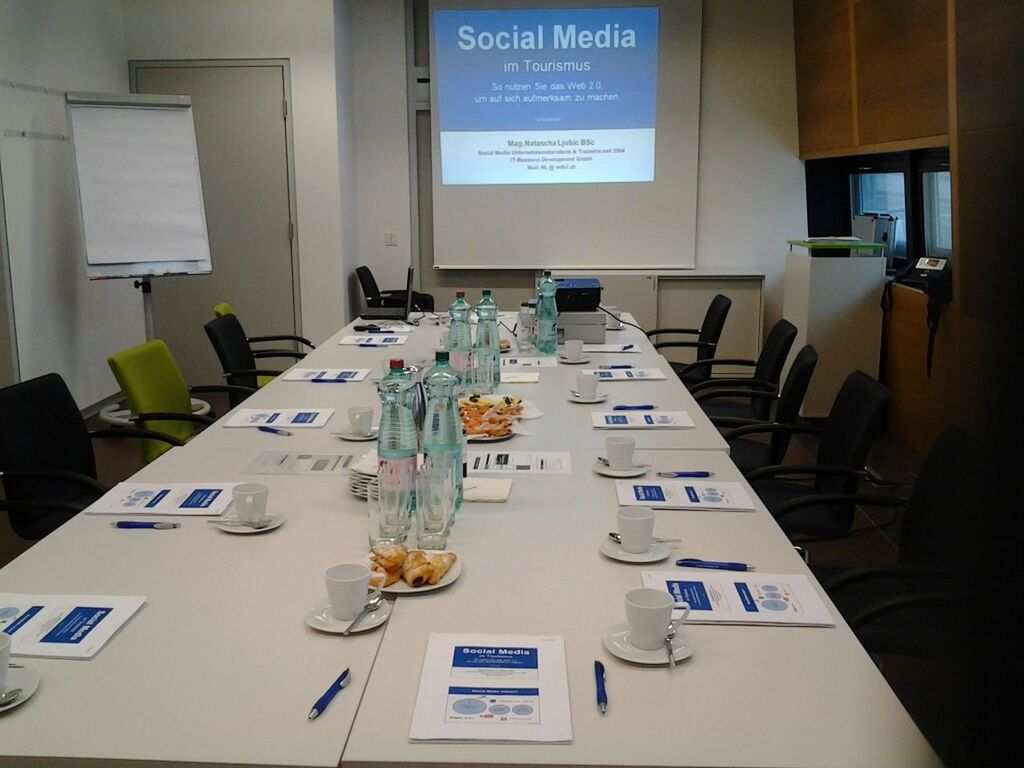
<point>361,484</point>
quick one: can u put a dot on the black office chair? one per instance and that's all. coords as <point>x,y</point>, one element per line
<point>750,454</point>
<point>224,308</point>
<point>820,510</point>
<point>423,302</point>
<point>47,463</point>
<point>707,335</point>
<point>238,359</point>
<point>765,377</point>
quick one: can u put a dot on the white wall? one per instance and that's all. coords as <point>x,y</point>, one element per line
<point>381,120</point>
<point>750,191</point>
<point>303,32</point>
<point>750,187</point>
<point>346,154</point>
<point>64,322</point>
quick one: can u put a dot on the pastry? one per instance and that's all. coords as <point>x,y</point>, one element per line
<point>422,568</point>
<point>381,577</point>
<point>391,557</point>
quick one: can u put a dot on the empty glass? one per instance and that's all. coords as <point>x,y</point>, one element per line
<point>436,495</point>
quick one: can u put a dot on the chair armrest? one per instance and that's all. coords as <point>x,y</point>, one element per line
<point>754,384</point>
<point>138,434</point>
<point>688,344</point>
<point>26,505</point>
<point>285,337</point>
<point>903,602</point>
<point>259,353</point>
<point>767,427</point>
<point>857,575</point>
<point>836,498</point>
<point>734,421</point>
<point>252,372</point>
<point>195,418</point>
<point>691,331</point>
<point>801,469</point>
<point>227,388</point>
<point>727,361</point>
<point>55,474</point>
<point>750,394</point>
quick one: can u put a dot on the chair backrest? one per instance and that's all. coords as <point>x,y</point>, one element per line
<point>371,292</point>
<point>42,428</point>
<point>770,361</point>
<point>233,350</point>
<point>857,418</point>
<point>710,333</point>
<point>791,397</point>
<point>952,498</point>
<point>152,383</point>
<point>219,310</point>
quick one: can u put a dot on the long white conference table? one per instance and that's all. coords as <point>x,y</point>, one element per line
<point>220,668</point>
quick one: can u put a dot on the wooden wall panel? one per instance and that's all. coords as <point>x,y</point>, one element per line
<point>900,69</point>
<point>990,63</point>
<point>824,74</point>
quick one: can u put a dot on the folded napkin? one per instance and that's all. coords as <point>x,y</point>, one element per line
<point>486,489</point>
<point>516,377</point>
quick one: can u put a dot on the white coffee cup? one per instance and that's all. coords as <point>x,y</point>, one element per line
<point>360,419</point>
<point>348,589</point>
<point>573,349</point>
<point>620,452</point>
<point>612,321</point>
<point>649,614</point>
<point>636,525</point>
<point>250,502</point>
<point>586,385</point>
<point>5,655</point>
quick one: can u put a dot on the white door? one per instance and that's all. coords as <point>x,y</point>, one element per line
<point>241,130</point>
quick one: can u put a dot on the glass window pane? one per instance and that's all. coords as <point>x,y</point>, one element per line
<point>938,214</point>
<point>882,193</point>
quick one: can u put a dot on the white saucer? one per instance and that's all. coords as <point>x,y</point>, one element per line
<point>489,438</point>
<point>659,551</point>
<point>319,617</point>
<point>588,401</point>
<point>566,361</point>
<point>616,640</point>
<point>24,678</point>
<point>637,471</point>
<point>352,437</point>
<point>273,521</point>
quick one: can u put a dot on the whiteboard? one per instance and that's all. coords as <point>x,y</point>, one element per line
<point>139,188</point>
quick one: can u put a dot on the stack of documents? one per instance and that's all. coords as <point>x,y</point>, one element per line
<point>727,597</point>
<point>645,420</point>
<point>496,688</point>
<point>684,494</point>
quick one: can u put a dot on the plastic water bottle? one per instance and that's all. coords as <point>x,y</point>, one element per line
<point>460,340</point>
<point>524,330</point>
<point>487,350</point>
<point>442,439</point>
<point>396,453</point>
<point>547,337</point>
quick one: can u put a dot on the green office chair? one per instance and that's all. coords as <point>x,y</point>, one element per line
<point>157,394</point>
<point>223,309</point>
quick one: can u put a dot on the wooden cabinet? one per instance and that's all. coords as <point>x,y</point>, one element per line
<point>871,75</point>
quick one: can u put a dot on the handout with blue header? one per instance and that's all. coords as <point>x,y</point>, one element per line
<point>63,626</point>
<point>684,494</point>
<point>326,374</point>
<point>504,688</point>
<point>164,499</point>
<point>644,420</point>
<point>287,418</point>
<point>744,598</point>
<point>626,374</point>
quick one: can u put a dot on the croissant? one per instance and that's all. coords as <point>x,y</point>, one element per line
<point>379,572</point>
<point>421,568</point>
<point>391,557</point>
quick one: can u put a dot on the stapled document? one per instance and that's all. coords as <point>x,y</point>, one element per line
<point>684,494</point>
<point>642,420</point>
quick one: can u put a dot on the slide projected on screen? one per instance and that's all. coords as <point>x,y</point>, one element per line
<point>546,96</point>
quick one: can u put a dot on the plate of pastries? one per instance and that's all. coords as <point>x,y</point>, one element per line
<point>403,571</point>
<point>489,415</point>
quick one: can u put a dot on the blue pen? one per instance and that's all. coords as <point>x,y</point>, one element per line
<point>323,701</point>
<point>627,346</point>
<point>615,367</point>
<point>602,696</point>
<point>384,331</point>
<point>693,562</point>
<point>695,473</point>
<point>142,524</point>
<point>373,345</point>
<point>274,430</point>
<point>634,407</point>
<point>331,381</point>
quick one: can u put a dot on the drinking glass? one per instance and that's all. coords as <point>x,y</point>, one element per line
<point>436,492</point>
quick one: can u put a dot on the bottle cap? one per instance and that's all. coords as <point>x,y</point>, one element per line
<point>525,303</point>
<point>441,356</point>
<point>396,363</point>
<point>486,292</point>
<point>460,294</point>
<point>547,273</point>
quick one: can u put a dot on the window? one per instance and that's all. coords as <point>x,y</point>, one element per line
<point>938,214</point>
<point>882,193</point>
